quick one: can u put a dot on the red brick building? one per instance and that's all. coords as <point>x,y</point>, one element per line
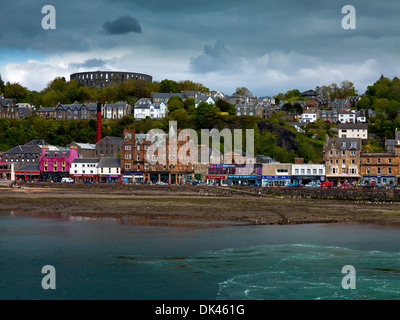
<point>157,157</point>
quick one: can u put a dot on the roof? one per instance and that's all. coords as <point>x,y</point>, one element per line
<point>116,140</point>
<point>24,149</point>
<point>109,162</point>
<point>29,167</point>
<point>47,109</point>
<point>85,160</point>
<point>353,126</point>
<point>345,143</point>
<point>85,145</point>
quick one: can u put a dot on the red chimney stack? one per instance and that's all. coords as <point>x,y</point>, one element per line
<point>98,135</point>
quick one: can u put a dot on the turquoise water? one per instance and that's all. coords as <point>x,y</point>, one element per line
<point>109,259</point>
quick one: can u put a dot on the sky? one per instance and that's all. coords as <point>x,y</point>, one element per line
<point>266,46</point>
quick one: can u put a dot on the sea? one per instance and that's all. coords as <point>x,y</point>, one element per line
<point>112,259</point>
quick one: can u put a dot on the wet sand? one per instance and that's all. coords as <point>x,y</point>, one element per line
<point>189,207</point>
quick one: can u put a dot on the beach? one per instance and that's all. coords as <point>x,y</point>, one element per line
<point>191,206</point>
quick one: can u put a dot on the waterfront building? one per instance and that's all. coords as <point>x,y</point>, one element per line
<point>381,168</point>
<point>165,164</point>
<point>342,160</point>
<point>276,174</point>
<point>28,172</point>
<point>303,173</point>
<point>55,165</point>
<point>84,169</point>
<point>26,154</point>
<point>109,170</point>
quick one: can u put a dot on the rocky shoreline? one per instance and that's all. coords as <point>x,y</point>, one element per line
<point>194,207</point>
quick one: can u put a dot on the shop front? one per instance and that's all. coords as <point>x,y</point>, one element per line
<point>109,178</point>
<point>5,170</point>
<point>84,178</point>
<point>275,181</point>
<point>380,180</point>
<point>217,180</point>
<point>27,174</point>
<point>302,180</point>
<point>244,180</point>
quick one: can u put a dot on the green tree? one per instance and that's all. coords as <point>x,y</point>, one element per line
<point>243,91</point>
<point>1,85</point>
<point>17,92</point>
<point>175,103</point>
<point>169,86</point>
<point>207,115</point>
<point>225,106</point>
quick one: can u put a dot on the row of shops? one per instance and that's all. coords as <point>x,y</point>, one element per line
<point>264,181</point>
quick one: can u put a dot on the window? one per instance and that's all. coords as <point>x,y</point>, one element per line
<point>368,170</point>
<point>379,170</point>
<point>379,161</point>
<point>320,171</point>
<point>128,156</point>
<point>314,171</point>
<point>389,170</point>
<point>128,147</point>
<point>353,153</point>
<point>296,171</point>
<point>308,171</point>
<point>390,161</point>
<point>280,170</point>
<point>367,161</point>
<point>138,157</point>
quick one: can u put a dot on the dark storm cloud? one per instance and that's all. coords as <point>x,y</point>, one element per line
<point>217,58</point>
<point>122,25</point>
<point>90,64</point>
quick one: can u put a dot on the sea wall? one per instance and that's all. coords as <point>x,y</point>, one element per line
<point>312,193</point>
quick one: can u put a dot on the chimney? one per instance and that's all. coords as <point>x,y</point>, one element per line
<point>299,161</point>
<point>98,132</point>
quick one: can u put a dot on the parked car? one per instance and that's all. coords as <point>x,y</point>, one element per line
<point>67,180</point>
<point>161,183</point>
<point>312,185</point>
<point>327,184</point>
<point>87,181</point>
<point>369,185</point>
<point>345,185</point>
<point>294,185</point>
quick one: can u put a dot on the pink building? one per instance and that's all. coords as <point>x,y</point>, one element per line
<point>54,165</point>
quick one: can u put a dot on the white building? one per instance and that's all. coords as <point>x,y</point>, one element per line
<point>353,130</point>
<point>145,108</point>
<point>305,172</point>
<point>309,117</point>
<point>84,169</point>
<point>347,116</point>
<point>116,110</point>
<point>109,169</point>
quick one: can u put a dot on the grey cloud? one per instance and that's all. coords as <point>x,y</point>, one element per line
<point>217,58</point>
<point>122,25</point>
<point>90,64</point>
